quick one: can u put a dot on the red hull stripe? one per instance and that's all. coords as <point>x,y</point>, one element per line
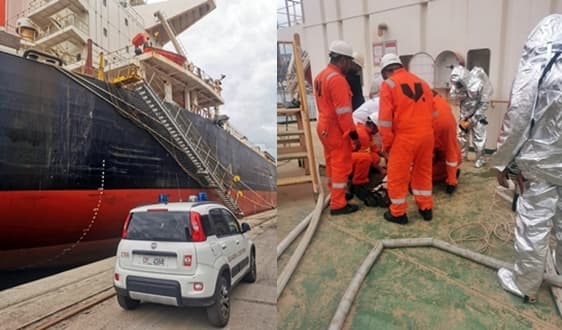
<point>43,218</point>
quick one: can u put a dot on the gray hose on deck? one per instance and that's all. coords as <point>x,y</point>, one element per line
<point>283,278</point>
<point>349,295</point>
<point>407,242</point>
<point>471,255</point>
<point>284,244</point>
<point>489,261</point>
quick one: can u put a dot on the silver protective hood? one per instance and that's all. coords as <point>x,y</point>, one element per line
<point>532,127</point>
<point>459,80</point>
<point>479,86</point>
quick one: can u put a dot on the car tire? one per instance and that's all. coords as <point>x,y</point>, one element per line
<point>219,313</point>
<point>252,274</point>
<point>127,303</point>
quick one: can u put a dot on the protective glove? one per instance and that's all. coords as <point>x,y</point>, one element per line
<point>503,176</point>
<point>465,125</point>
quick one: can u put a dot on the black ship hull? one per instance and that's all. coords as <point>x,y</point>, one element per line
<point>71,167</point>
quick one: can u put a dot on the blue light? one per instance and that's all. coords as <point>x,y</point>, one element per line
<point>203,196</point>
<point>163,198</point>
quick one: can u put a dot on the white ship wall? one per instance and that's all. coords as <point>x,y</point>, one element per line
<point>110,15</point>
<point>433,26</point>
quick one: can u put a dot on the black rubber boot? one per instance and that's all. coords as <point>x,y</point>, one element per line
<point>363,193</point>
<point>401,220</point>
<point>450,189</point>
<point>349,208</point>
<point>427,215</point>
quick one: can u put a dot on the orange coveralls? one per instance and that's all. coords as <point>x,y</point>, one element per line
<point>333,98</point>
<point>406,127</point>
<point>447,152</point>
<point>363,158</point>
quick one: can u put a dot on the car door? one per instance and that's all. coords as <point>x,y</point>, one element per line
<point>225,241</point>
<point>241,258</point>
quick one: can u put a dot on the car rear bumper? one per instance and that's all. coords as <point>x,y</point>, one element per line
<point>160,291</point>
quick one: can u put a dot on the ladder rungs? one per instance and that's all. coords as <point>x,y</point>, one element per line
<point>293,155</point>
<point>290,133</point>
<point>288,111</point>
<point>288,141</point>
<point>294,180</point>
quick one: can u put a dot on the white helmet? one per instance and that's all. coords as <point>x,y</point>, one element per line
<point>389,59</point>
<point>358,59</point>
<point>341,47</point>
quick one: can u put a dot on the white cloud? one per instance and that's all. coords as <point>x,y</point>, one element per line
<point>238,39</point>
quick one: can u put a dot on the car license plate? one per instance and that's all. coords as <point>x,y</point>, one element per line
<point>153,261</point>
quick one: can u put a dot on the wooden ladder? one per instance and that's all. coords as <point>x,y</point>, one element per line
<point>296,144</point>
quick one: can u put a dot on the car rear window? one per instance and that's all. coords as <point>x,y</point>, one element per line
<point>159,226</point>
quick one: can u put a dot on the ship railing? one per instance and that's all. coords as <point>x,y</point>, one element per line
<point>205,154</point>
<point>34,4</point>
<point>64,22</point>
<point>199,145</point>
<point>122,57</point>
<point>119,58</point>
<point>240,137</point>
<point>215,84</point>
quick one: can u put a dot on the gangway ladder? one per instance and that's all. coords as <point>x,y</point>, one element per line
<point>187,138</point>
<point>296,144</point>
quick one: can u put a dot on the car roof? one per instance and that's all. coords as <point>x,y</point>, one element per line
<point>178,206</point>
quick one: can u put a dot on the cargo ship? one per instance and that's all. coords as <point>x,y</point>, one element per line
<point>97,118</point>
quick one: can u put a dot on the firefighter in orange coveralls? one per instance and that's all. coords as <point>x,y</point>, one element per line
<point>446,151</point>
<point>406,127</point>
<point>367,132</point>
<point>335,124</point>
<point>363,159</point>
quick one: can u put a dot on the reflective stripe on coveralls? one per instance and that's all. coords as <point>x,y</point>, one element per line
<point>333,98</point>
<point>406,102</point>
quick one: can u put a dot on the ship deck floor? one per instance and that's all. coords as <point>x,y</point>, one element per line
<point>408,288</point>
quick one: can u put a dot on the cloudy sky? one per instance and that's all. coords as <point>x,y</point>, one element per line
<point>238,39</point>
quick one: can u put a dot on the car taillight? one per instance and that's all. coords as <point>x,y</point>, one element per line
<point>187,260</point>
<point>197,233</point>
<point>125,226</point>
<point>198,286</point>
<point>117,276</point>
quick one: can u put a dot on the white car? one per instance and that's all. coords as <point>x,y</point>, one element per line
<point>183,254</point>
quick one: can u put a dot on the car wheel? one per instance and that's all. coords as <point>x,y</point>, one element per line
<point>127,303</point>
<point>219,313</point>
<point>252,274</point>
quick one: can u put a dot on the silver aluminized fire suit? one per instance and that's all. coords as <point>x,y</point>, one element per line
<point>531,135</point>
<point>474,90</point>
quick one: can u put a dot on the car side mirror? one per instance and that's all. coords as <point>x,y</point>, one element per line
<point>245,227</point>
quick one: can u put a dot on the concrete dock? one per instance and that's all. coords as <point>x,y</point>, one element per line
<point>83,298</point>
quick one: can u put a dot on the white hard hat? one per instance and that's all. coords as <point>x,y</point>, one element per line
<point>341,47</point>
<point>389,59</point>
<point>358,59</point>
